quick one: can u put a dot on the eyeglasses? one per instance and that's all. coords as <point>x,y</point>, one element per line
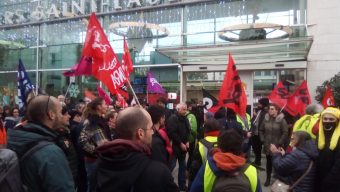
<point>48,102</point>
<point>271,108</point>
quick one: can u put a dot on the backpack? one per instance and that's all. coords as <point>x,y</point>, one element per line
<point>209,146</point>
<point>10,176</point>
<point>232,182</point>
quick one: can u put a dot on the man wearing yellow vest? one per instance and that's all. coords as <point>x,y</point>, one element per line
<point>211,131</point>
<point>226,168</point>
<point>311,119</point>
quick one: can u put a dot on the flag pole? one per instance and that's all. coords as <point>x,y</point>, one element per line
<point>283,108</point>
<point>133,93</point>
<point>147,95</point>
<point>68,88</point>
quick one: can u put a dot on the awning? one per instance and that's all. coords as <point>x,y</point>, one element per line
<point>244,52</point>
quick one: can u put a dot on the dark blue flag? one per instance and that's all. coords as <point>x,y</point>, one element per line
<point>25,86</point>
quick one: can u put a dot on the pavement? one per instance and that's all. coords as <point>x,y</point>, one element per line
<point>261,173</point>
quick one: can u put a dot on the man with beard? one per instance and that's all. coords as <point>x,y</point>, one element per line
<point>124,164</point>
<point>328,163</point>
<point>46,169</point>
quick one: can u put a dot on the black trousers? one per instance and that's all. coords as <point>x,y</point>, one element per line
<point>257,147</point>
<point>269,166</point>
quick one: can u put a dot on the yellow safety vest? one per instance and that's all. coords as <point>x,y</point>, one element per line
<point>306,123</point>
<point>210,177</point>
<point>203,150</point>
<point>239,119</point>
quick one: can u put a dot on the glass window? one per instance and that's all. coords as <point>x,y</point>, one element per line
<point>264,82</point>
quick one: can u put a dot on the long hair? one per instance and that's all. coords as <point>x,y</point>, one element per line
<point>91,108</point>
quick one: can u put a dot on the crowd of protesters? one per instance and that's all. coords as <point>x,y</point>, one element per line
<point>93,146</point>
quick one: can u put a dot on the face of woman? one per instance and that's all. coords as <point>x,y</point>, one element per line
<point>112,122</point>
<point>272,111</point>
<point>102,108</point>
<point>293,140</point>
<point>15,113</point>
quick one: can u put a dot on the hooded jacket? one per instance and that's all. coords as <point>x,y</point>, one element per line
<point>292,166</point>
<point>47,169</point>
<point>220,162</point>
<point>124,165</point>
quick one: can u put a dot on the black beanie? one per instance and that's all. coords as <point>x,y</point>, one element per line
<point>264,101</point>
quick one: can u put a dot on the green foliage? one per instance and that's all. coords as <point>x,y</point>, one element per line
<point>334,82</point>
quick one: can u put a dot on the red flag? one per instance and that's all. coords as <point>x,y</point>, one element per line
<point>105,64</point>
<point>298,102</point>
<point>328,98</point>
<point>123,91</point>
<point>88,94</point>
<point>121,101</point>
<point>103,94</point>
<point>84,67</point>
<point>279,95</point>
<point>126,60</point>
<point>232,94</point>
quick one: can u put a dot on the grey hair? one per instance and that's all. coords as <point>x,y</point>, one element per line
<point>313,109</point>
<point>180,105</point>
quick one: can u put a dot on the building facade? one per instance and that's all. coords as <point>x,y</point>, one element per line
<point>185,43</point>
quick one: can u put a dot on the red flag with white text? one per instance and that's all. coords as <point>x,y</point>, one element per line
<point>232,94</point>
<point>328,98</point>
<point>298,102</point>
<point>126,60</point>
<point>105,64</point>
<point>279,95</point>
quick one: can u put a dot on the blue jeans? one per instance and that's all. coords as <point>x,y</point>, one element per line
<point>181,171</point>
<point>90,168</point>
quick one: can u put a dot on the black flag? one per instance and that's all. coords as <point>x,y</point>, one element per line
<point>209,101</point>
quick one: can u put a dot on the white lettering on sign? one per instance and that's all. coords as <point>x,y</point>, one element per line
<point>133,2</point>
<point>118,77</point>
<point>153,81</point>
<point>41,12</point>
<point>153,2</point>
<point>108,66</point>
<point>53,11</point>
<point>103,47</point>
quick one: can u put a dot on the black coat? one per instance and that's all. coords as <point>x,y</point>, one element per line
<point>328,169</point>
<point>178,130</point>
<point>158,147</point>
<point>293,165</point>
<point>124,167</point>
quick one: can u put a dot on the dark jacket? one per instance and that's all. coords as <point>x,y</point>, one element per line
<point>158,147</point>
<point>273,131</point>
<point>66,144</point>
<point>292,166</point>
<point>10,122</point>
<point>178,130</point>
<point>328,168</point>
<point>47,169</point>
<point>124,165</point>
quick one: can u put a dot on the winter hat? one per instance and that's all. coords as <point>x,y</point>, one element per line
<point>264,101</point>
<point>209,115</point>
<point>336,134</point>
